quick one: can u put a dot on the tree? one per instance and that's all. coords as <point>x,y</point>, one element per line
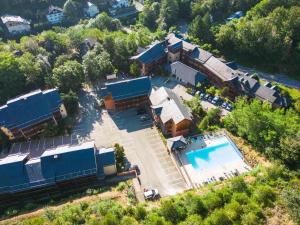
<point>34,70</point>
<point>71,102</point>
<point>120,157</point>
<point>135,69</point>
<point>105,22</point>
<point>192,220</point>
<point>291,199</point>
<point>12,80</point>
<point>168,13</point>
<point>73,10</point>
<point>204,123</point>
<point>218,217</point>
<point>97,65</point>
<point>68,76</point>
<point>172,212</point>
<point>224,92</point>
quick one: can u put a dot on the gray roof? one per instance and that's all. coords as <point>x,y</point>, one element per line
<point>172,40</point>
<point>176,142</point>
<point>201,55</point>
<point>7,18</point>
<point>220,69</point>
<point>172,108</point>
<point>186,73</point>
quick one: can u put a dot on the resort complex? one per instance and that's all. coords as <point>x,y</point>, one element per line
<point>197,65</point>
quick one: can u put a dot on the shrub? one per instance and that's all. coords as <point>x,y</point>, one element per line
<point>264,195</point>
<point>121,186</point>
<point>291,199</point>
<point>218,217</point>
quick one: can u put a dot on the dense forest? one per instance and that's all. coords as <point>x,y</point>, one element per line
<point>268,36</point>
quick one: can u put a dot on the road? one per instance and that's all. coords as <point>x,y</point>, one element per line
<point>279,78</point>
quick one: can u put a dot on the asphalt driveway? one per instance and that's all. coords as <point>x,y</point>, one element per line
<point>142,143</point>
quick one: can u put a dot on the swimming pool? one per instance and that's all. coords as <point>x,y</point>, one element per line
<point>222,153</point>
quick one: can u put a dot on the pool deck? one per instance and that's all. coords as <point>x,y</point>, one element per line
<point>218,172</point>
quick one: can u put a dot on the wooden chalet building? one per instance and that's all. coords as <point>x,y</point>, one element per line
<point>26,115</point>
<point>178,52</point>
<point>170,113</point>
<point>152,57</point>
<point>122,95</point>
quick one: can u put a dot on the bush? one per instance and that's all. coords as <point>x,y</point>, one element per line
<point>264,195</point>
<point>291,199</point>
<point>121,186</point>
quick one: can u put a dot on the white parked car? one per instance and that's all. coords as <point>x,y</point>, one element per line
<point>150,194</point>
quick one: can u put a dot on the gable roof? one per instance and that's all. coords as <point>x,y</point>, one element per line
<point>186,73</point>
<point>153,53</point>
<point>8,18</point>
<point>173,39</point>
<point>17,173</point>
<point>176,142</point>
<point>30,108</point>
<point>220,69</point>
<point>54,9</point>
<point>200,55</point>
<point>169,106</point>
<point>127,88</point>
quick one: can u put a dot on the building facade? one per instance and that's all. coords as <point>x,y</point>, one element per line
<point>170,113</point>
<point>55,15</point>
<point>55,166</point>
<point>26,115</point>
<point>184,57</point>
<point>122,95</point>
<point>16,24</point>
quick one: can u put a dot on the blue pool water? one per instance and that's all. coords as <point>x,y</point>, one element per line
<point>213,156</point>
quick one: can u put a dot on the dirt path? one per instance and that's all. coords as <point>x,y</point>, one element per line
<point>121,197</point>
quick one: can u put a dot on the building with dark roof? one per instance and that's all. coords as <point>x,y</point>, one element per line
<point>152,57</point>
<point>24,116</point>
<point>170,112</point>
<point>126,94</point>
<point>21,173</point>
<point>176,143</point>
<point>186,74</point>
<point>187,59</point>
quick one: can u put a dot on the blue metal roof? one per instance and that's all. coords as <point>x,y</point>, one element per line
<point>29,109</point>
<point>152,54</point>
<point>128,88</point>
<point>59,164</point>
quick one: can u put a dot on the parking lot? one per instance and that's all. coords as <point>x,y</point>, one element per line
<point>142,143</point>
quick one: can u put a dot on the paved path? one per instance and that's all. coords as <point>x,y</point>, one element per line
<point>279,78</point>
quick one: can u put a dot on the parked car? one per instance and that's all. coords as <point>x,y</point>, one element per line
<point>202,95</point>
<point>206,96</point>
<point>210,98</point>
<point>151,194</point>
<point>224,105</point>
<point>229,107</point>
<point>141,111</point>
<point>215,100</point>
